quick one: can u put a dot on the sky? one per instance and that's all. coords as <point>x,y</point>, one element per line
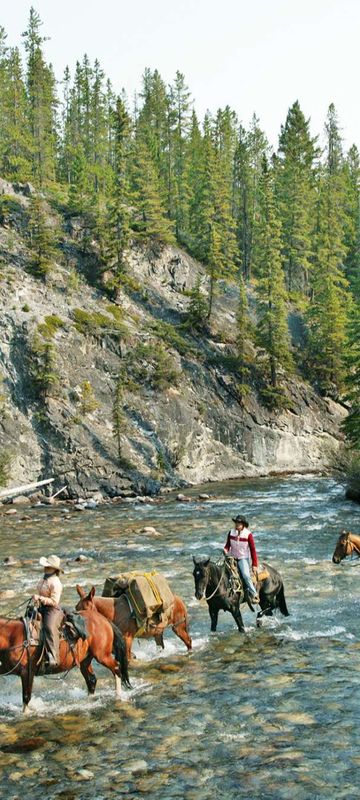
<point>254,55</point>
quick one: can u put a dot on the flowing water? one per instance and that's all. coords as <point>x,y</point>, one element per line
<point>274,713</point>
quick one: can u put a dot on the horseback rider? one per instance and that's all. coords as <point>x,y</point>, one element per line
<point>241,546</point>
<point>48,594</point>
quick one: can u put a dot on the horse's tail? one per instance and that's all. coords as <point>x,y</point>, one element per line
<point>121,656</point>
<point>282,602</point>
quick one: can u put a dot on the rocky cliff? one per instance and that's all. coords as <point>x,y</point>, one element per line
<point>182,418</point>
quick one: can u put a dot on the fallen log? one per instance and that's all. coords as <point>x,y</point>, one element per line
<point>22,489</point>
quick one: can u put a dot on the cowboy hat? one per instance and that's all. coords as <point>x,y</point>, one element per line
<point>241,519</point>
<point>51,561</point>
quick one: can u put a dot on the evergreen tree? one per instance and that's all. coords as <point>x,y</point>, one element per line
<point>99,131</point>
<point>118,416</point>
<point>194,181</point>
<point>295,193</point>
<point>215,234</point>
<point>179,119</point>
<point>116,237</point>
<point>251,148</point>
<point>154,126</point>
<point>273,331</point>
<point>326,316</point>
<point>198,307</point>
<point>352,381</point>
<point>42,238</point>
<point>352,212</point>
<point>15,138</point>
<point>42,103</point>
<point>150,221</point>
<point>334,151</point>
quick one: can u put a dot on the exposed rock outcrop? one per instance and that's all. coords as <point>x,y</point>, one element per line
<point>193,430</point>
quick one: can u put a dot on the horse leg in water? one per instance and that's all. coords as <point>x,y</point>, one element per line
<point>88,674</point>
<point>110,663</point>
<point>180,628</point>
<point>214,614</point>
<point>27,680</point>
<point>235,611</point>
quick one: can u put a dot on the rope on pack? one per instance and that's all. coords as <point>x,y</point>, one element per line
<point>151,582</point>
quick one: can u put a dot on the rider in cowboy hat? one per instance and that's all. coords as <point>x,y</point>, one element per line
<point>48,593</point>
<point>240,544</point>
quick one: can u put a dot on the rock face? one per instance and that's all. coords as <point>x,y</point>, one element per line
<point>193,430</point>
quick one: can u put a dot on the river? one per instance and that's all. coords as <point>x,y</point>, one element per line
<point>274,713</point>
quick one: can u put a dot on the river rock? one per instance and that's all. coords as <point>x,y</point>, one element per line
<point>81,557</point>
<point>92,504</point>
<point>21,500</point>
<point>15,776</point>
<point>10,561</point>
<point>11,511</point>
<point>136,766</point>
<point>98,497</point>
<point>204,496</point>
<point>47,501</point>
<point>83,775</point>
<point>149,531</point>
<point>182,498</point>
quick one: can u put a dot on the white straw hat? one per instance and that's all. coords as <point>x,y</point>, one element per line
<point>51,561</point>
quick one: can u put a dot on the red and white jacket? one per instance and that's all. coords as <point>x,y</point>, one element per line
<point>240,544</point>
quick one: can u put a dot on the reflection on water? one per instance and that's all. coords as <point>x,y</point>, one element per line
<point>272,714</point>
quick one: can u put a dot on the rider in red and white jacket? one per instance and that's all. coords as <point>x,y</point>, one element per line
<point>240,544</point>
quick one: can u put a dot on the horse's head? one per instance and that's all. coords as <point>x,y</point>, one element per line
<point>201,576</point>
<point>343,547</point>
<point>86,600</point>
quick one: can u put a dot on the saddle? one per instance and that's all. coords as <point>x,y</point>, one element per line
<point>235,578</point>
<point>71,629</point>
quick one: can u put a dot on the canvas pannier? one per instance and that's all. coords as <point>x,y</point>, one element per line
<point>148,592</point>
<point>114,587</point>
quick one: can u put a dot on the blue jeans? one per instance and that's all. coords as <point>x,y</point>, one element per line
<point>244,569</point>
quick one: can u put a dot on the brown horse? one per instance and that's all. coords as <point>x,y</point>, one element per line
<point>18,657</point>
<point>347,544</point>
<point>118,611</point>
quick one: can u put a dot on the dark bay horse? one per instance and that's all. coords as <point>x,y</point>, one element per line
<point>347,544</point>
<point>212,582</point>
<point>18,657</point>
<point>118,611</point>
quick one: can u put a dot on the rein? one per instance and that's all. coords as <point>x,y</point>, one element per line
<point>208,597</point>
<point>24,645</point>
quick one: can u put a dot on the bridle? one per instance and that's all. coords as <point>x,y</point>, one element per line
<point>208,597</point>
<point>350,546</point>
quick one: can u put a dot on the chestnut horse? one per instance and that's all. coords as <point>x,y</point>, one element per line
<point>18,657</point>
<point>118,611</point>
<point>347,544</point>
